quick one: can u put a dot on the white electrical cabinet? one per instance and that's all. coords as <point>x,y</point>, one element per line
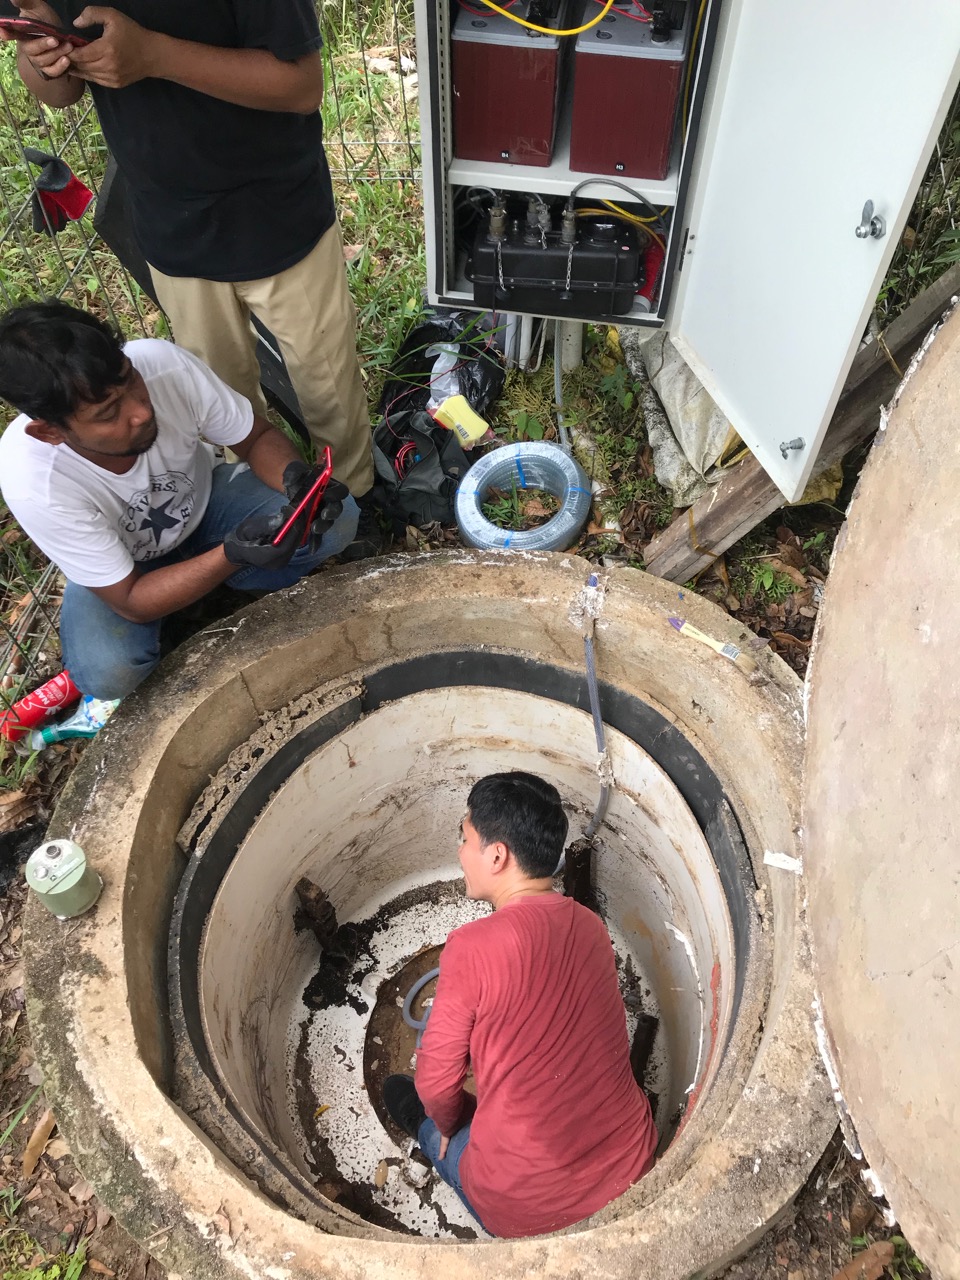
<point>802,132</point>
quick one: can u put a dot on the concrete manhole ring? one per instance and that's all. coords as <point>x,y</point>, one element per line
<point>245,744</point>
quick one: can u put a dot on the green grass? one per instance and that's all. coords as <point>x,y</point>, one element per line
<point>772,584</point>
<point>905,1266</point>
<point>370,113</point>
<point>18,1251</point>
<point>614,419</point>
<point>21,1257</point>
<point>15,769</point>
<point>930,244</point>
<point>381,224</point>
<point>520,508</point>
<point>75,264</point>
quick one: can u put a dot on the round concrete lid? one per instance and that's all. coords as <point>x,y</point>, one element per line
<point>882,817</point>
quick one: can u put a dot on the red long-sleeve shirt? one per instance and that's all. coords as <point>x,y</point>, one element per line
<point>529,997</point>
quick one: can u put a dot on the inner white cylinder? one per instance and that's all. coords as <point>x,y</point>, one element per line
<point>374,813</point>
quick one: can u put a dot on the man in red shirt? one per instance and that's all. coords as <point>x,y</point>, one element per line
<point>528,997</point>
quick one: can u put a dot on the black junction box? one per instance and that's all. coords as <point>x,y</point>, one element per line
<point>514,275</point>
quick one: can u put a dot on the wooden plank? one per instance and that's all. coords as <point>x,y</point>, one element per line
<point>746,495</point>
<point>926,308</point>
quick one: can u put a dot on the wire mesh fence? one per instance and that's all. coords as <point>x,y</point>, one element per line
<point>370,112</point>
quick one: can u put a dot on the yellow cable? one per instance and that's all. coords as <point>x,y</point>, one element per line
<point>634,217</point>
<point>549,31</point>
<point>627,217</point>
<point>693,54</point>
<point>608,208</point>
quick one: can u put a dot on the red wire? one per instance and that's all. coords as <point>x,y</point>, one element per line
<point>624,13</point>
<point>399,462</point>
<point>430,381</point>
<point>418,387</point>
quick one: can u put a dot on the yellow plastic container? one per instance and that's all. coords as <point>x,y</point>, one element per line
<point>456,415</point>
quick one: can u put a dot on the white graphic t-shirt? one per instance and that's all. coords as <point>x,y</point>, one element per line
<point>96,525</point>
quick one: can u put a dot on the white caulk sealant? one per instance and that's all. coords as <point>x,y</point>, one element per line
<point>688,947</point>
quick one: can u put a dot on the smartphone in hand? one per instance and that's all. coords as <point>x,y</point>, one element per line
<point>33,29</point>
<point>310,502</point>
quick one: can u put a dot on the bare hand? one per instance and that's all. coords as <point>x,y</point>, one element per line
<point>444,1143</point>
<point>48,55</point>
<point>122,56</point>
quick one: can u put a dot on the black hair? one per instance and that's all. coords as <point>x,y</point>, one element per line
<point>54,358</point>
<point>524,813</point>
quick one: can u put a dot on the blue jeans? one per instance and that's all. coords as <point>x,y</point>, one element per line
<point>449,1167</point>
<point>107,656</point>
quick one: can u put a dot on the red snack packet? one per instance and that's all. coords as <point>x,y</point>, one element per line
<point>31,711</point>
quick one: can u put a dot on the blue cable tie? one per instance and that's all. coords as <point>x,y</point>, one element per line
<point>509,539</point>
<point>520,475</point>
<point>575,488</point>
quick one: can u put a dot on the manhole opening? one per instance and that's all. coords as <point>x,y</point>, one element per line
<point>366,807</point>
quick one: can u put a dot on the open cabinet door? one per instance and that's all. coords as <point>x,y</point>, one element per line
<point>815,110</point>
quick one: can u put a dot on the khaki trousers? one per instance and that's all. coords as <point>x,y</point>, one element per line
<point>309,311</point>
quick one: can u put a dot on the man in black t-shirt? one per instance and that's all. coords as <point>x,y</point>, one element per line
<point>211,110</point>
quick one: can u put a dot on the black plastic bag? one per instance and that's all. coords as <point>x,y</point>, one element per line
<point>478,370</point>
<point>418,466</point>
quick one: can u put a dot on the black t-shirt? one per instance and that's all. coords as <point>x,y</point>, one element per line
<point>219,191</point>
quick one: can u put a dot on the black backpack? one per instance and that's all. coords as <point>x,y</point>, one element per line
<point>418,466</point>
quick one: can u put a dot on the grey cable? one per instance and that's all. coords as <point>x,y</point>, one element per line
<point>542,339</point>
<point>419,1025</point>
<point>614,182</point>
<point>558,387</point>
<point>594,692</point>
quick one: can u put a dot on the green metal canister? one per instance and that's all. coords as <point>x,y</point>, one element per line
<point>58,874</point>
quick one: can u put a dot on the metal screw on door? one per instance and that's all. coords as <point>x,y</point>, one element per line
<point>871,224</point>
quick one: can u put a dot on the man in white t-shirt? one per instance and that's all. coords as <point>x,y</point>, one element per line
<point>110,469</point>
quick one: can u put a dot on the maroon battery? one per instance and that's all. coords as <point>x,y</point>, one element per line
<point>626,95</point>
<point>506,83</point>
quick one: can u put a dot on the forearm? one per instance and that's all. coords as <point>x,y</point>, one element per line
<point>59,91</point>
<point>163,591</point>
<point>444,1054</point>
<point>444,1102</point>
<point>246,77</point>
<point>269,454</point>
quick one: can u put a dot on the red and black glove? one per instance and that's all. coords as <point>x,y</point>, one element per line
<point>60,197</point>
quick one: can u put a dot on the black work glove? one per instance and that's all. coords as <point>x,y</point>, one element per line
<point>298,476</point>
<point>60,196</point>
<point>252,540</point>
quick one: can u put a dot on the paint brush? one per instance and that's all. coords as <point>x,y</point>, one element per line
<point>726,650</point>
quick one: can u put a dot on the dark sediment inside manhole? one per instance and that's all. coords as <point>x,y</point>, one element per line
<point>347,959</point>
